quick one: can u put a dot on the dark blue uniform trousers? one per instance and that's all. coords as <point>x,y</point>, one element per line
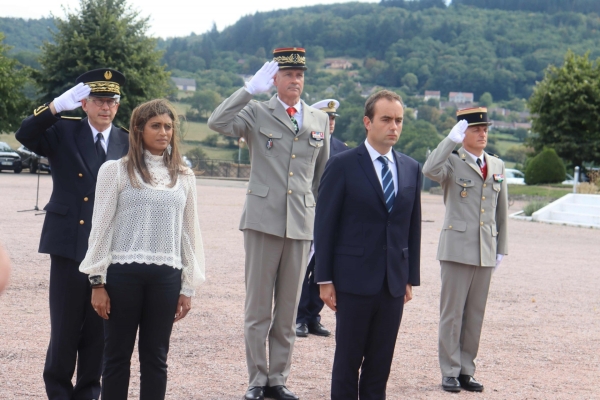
<point>76,335</point>
<point>310,304</point>
<point>365,337</point>
<point>144,296</point>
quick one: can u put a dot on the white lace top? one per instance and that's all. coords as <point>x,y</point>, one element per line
<point>153,224</point>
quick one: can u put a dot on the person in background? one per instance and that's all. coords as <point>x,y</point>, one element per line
<point>145,256</point>
<point>308,319</point>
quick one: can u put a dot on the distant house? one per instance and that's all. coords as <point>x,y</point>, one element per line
<point>460,97</point>
<point>510,125</point>
<point>338,63</point>
<point>432,94</point>
<point>187,85</point>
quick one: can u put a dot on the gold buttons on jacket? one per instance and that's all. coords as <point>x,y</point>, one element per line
<point>482,210</point>
<point>481,223</point>
<point>464,184</point>
<point>249,191</point>
<point>482,197</point>
<point>80,175</point>
<point>81,222</point>
<point>293,156</point>
<point>485,185</point>
<point>295,139</point>
<point>450,227</point>
<point>271,135</point>
<point>291,174</point>
<point>289,192</point>
<point>85,199</point>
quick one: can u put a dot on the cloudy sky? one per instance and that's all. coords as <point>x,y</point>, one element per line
<point>167,18</point>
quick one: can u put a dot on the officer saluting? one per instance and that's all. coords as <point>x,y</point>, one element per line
<point>75,148</point>
<point>308,319</point>
<point>472,243</point>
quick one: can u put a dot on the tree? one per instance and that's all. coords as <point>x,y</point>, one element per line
<point>416,138</point>
<point>109,34</point>
<point>546,167</point>
<point>486,99</point>
<point>13,104</point>
<point>204,102</point>
<point>565,107</point>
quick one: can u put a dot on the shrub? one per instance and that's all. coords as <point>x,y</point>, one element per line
<point>533,207</point>
<point>546,167</point>
<point>196,154</point>
<point>211,140</point>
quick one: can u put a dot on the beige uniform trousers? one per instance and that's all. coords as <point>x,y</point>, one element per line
<point>275,267</point>
<point>462,307</point>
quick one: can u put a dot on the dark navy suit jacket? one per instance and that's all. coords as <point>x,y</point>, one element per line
<point>337,146</point>
<point>357,242</point>
<point>69,146</point>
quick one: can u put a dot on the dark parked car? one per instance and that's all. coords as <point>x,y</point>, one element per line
<point>33,161</point>
<point>9,160</point>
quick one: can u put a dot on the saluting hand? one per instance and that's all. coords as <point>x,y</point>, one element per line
<point>101,302</point>
<point>457,134</point>
<point>184,304</point>
<point>263,79</point>
<point>71,99</point>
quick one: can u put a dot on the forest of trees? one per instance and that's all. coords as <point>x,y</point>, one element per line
<point>545,6</point>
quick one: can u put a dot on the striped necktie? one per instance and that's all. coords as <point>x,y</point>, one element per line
<point>387,182</point>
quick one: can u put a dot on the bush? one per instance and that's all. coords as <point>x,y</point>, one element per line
<point>546,167</point>
<point>533,207</point>
<point>196,154</point>
<point>211,140</point>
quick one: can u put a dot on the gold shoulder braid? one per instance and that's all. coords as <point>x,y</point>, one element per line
<point>40,110</point>
<point>104,87</point>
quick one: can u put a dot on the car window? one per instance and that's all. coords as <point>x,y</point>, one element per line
<point>519,174</point>
<point>4,147</point>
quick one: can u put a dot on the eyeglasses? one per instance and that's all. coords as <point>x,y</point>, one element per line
<point>111,103</point>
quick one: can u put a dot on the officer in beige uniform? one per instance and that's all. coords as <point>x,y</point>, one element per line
<point>289,147</point>
<point>472,242</point>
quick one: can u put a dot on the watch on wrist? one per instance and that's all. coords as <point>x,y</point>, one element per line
<point>96,280</point>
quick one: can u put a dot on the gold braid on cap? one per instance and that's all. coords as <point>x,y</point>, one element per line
<point>294,59</point>
<point>111,87</point>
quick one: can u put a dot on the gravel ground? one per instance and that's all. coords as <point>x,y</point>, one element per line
<point>541,336</point>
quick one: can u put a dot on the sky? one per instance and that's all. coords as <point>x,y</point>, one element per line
<point>167,18</point>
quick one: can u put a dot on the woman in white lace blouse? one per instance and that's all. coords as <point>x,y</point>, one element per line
<point>145,255</point>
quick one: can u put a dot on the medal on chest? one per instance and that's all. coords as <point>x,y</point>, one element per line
<point>318,135</point>
<point>463,193</point>
<point>269,144</point>
<point>498,177</point>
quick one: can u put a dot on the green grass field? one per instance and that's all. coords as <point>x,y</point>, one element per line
<point>551,192</point>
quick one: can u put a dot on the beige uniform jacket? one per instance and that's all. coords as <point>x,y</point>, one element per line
<point>286,167</point>
<point>475,225</point>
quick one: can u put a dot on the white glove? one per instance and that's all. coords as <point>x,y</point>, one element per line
<point>71,99</point>
<point>263,79</point>
<point>499,258</point>
<point>457,134</point>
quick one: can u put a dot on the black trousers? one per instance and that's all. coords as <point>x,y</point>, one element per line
<point>310,304</point>
<point>365,337</point>
<point>76,335</point>
<point>144,296</point>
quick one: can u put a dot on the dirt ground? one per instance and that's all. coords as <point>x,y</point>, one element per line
<point>541,336</point>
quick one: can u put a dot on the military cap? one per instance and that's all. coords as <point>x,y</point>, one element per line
<point>104,82</point>
<point>474,116</point>
<point>330,106</point>
<point>290,58</point>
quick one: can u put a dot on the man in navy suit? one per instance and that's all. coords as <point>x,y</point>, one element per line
<point>308,319</point>
<point>75,148</point>
<point>367,243</point>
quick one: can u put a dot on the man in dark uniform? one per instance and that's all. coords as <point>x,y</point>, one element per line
<point>308,319</point>
<point>75,148</point>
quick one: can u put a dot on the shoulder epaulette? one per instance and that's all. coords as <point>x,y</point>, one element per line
<point>71,118</point>
<point>493,155</point>
<point>125,129</point>
<point>345,144</point>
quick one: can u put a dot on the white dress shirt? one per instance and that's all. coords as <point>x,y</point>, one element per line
<point>105,136</point>
<point>298,115</point>
<point>378,164</point>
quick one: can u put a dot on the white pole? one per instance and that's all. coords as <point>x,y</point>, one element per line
<point>575,179</point>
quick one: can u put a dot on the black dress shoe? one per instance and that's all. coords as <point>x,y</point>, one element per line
<point>301,330</point>
<point>280,392</point>
<point>318,329</point>
<point>255,393</point>
<point>450,384</point>
<point>469,383</point>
